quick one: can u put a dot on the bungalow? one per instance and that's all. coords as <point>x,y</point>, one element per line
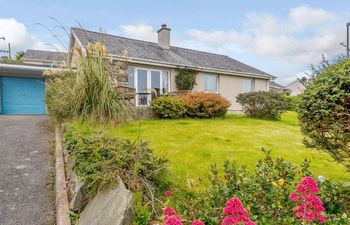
<point>150,66</point>
<point>154,65</point>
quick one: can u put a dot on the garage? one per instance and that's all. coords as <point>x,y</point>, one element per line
<point>22,89</point>
<point>22,95</point>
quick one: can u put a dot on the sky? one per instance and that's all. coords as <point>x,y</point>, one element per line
<point>282,38</point>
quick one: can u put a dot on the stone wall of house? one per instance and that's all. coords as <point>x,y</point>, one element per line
<point>118,71</point>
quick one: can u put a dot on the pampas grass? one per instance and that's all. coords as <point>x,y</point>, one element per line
<point>86,93</point>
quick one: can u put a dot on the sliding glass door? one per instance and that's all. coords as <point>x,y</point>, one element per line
<point>149,83</point>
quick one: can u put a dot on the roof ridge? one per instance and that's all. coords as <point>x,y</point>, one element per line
<point>113,35</point>
<point>150,42</point>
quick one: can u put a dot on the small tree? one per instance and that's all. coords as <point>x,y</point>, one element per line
<point>185,79</point>
<point>324,111</point>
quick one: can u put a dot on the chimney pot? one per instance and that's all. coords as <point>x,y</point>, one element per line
<point>164,37</point>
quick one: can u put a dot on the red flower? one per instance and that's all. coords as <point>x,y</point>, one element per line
<point>168,193</point>
<point>168,211</point>
<point>237,214</point>
<point>311,206</point>
<point>197,222</point>
<point>172,220</point>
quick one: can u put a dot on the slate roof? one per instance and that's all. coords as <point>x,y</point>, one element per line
<point>39,55</point>
<point>151,51</point>
<point>277,85</point>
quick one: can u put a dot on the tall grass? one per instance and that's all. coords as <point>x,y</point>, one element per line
<point>86,93</point>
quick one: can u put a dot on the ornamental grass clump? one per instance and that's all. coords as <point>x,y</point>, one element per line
<point>86,93</point>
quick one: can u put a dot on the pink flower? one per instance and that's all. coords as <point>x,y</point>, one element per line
<point>168,211</point>
<point>172,220</point>
<point>197,222</point>
<point>237,214</point>
<point>294,197</point>
<point>310,206</point>
<point>168,193</point>
<point>307,185</point>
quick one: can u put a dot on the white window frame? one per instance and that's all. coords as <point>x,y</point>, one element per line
<point>217,82</point>
<point>149,81</point>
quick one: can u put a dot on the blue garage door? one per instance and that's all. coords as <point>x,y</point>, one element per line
<point>22,95</point>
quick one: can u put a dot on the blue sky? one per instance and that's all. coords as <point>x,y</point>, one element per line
<point>280,37</point>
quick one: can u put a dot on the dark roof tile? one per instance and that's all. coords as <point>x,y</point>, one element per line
<point>39,55</point>
<point>176,55</point>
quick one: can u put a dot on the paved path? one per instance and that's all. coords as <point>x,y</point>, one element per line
<point>25,164</point>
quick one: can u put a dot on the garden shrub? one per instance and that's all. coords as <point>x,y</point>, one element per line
<point>205,105</point>
<point>86,93</point>
<point>185,79</point>
<point>324,111</point>
<point>99,160</point>
<point>59,94</point>
<point>262,104</point>
<point>265,193</point>
<point>167,107</point>
<point>292,102</point>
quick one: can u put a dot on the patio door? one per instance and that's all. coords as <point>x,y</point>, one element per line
<point>149,83</point>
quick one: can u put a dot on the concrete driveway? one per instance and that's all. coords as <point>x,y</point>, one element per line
<point>25,165</point>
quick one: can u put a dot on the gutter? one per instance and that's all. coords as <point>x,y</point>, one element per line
<point>23,66</point>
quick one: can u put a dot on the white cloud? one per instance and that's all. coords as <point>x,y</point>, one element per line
<point>287,45</point>
<point>300,38</point>
<point>17,34</point>
<point>140,31</point>
<point>303,17</point>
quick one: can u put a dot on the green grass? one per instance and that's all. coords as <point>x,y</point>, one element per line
<point>192,145</point>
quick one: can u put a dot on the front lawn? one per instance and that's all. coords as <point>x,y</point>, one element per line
<point>192,145</point>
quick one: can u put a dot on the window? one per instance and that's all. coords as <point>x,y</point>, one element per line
<point>248,85</point>
<point>165,75</point>
<point>144,80</point>
<point>131,78</point>
<point>142,85</point>
<point>155,81</point>
<point>211,83</point>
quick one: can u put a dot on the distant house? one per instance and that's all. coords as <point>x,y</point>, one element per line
<point>296,87</point>
<point>40,57</point>
<point>276,87</point>
<point>152,66</point>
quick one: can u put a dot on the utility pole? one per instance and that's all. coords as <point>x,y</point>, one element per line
<point>347,39</point>
<point>9,48</point>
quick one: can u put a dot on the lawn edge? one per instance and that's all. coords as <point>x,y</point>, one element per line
<point>62,208</point>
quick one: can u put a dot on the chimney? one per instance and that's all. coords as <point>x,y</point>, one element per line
<point>164,37</point>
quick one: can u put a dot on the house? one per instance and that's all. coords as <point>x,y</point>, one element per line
<point>40,57</point>
<point>22,85</point>
<point>276,87</point>
<point>154,65</point>
<point>150,66</point>
<point>296,87</point>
